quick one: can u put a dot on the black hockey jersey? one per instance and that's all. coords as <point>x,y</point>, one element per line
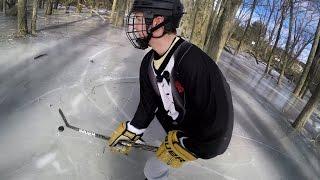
<point>207,102</point>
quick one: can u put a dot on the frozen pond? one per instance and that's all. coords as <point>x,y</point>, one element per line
<point>87,68</point>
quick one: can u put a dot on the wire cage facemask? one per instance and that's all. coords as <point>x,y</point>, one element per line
<point>137,30</point>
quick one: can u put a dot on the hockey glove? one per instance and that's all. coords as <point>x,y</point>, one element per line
<point>122,133</point>
<point>172,152</point>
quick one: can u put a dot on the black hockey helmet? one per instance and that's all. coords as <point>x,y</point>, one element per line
<point>171,10</point>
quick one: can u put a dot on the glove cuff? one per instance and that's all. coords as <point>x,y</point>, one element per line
<point>122,130</point>
<point>173,141</point>
<point>134,129</point>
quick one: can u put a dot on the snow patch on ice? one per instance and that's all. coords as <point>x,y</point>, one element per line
<point>111,78</point>
<point>116,104</point>
<point>98,53</point>
<point>75,103</point>
<point>46,159</point>
<point>56,165</point>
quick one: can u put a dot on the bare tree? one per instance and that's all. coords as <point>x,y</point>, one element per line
<point>194,17</point>
<point>201,22</point>
<point>49,7</point>
<point>128,6</point>
<point>55,4</point>
<point>309,61</point>
<point>283,16</point>
<point>41,4</point>
<point>301,33</point>
<point>4,6</point>
<point>254,4</point>
<point>265,17</point>
<point>276,24</point>
<point>285,55</point>
<point>212,19</point>
<point>307,111</point>
<point>22,18</point>
<point>79,7</point>
<point>67,5</point>
<point>242,12</point>
<point>118,12</point>
<point>217,18</point>
<point>313,70</point>
<point>219,38</point>
<point>34,16</point>
<point>296,52</point>
<point>186,21</point>
<point>272,9</point>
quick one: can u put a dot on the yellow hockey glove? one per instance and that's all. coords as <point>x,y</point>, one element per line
<point>172,152</point>
<point>122,133</point>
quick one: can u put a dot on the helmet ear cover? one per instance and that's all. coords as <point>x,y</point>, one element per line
<point>168,26</point>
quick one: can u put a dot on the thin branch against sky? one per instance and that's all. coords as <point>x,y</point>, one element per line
<point>307,14</point>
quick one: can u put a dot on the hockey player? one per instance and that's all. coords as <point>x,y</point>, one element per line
<point>181,86</point>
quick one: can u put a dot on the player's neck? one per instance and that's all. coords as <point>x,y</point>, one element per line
<point>161,45</point>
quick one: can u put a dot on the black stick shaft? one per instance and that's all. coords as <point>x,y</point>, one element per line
<point>100,136</point>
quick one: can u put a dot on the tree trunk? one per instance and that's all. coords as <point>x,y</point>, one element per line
<point>4,6</point>
<point>309,61</point>
<point>202,13</point>
<point>128,6</point>
<point>212,18</point>
<point>304,88</point>
<point>40,4</point>
<point>247,27</point>
<point>295,57</point>
<point>214,22</point>
<point>307,111</point>
<point>22,18</point>
<point>113,11</point>
<point>240,15</point>
<point>269,18</point>
<point>286,55</point>
<point>205,21</point>
<point>272,31</point>
<point>217,18</point>
<point>67,5</point>
<point>312,71</point>
<point>225,23</point>
<point>56,3</point>
<point>193,18</point>
<point>186,21</point>
<point>261,37</point>
<point>79,7</point>
<point>283,11</point>
<point>118,12</point>
<point>34,16</point>
<point>49,7</point>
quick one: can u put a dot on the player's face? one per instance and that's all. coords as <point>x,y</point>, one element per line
<point>139,24</point>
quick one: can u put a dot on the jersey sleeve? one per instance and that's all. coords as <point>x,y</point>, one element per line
<point>147,104</point>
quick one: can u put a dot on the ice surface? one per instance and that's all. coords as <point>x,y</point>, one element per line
<point>90,71</point>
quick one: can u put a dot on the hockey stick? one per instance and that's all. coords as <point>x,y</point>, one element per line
<point>100,136</point>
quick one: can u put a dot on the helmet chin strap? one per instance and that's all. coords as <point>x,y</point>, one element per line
<point>144,42</point>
